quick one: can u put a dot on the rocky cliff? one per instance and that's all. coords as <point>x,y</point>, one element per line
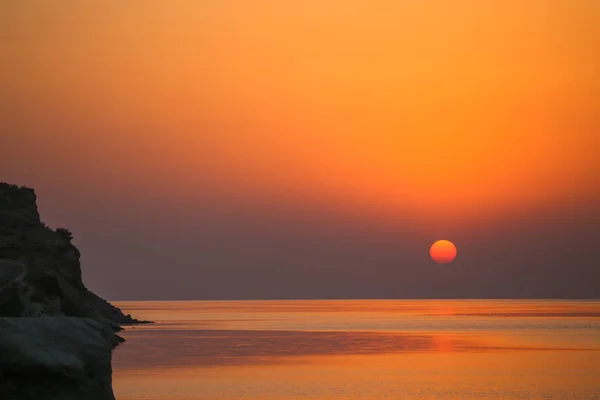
<point>55,358</point>
<point>40,272</point>
<point>56,336</point>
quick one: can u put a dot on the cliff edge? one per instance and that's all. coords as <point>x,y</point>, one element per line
<point>56,336</point>
<point>40,272</point>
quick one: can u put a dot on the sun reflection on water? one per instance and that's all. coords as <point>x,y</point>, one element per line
<point>361,349</point>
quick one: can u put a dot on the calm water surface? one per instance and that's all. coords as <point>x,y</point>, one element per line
<point>361,349</point>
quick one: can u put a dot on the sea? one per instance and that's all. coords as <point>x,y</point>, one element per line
<point>360,349</point>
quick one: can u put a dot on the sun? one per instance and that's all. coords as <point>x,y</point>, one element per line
<point>443,251</point>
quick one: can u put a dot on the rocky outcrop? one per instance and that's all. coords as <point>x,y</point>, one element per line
<point>55,358</point>
<point>51,283</point>
<point>56,336</point>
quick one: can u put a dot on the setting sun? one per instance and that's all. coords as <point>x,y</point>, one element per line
<point>443,251</point>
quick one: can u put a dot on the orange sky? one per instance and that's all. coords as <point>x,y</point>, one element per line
<point>440,108</point>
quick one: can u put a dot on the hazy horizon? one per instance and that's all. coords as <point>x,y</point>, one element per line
<point>315,149</point>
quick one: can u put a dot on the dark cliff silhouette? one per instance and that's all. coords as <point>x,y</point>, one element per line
<point>56,336</point>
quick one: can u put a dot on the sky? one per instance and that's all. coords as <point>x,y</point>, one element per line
<point>248,149</point>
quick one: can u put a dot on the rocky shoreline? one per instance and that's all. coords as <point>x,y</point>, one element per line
<point>56,336</point>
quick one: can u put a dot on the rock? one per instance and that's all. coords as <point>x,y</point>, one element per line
<point>18,206</point>
<point>40,267</point>
<point>11,271</point>
<point>11,302</point>
<point>110,312</point>
<point>55,358</point>
<point>64,352</point>
<point>12,289</point>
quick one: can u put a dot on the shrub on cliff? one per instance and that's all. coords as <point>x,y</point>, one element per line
<point>65,233</point>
